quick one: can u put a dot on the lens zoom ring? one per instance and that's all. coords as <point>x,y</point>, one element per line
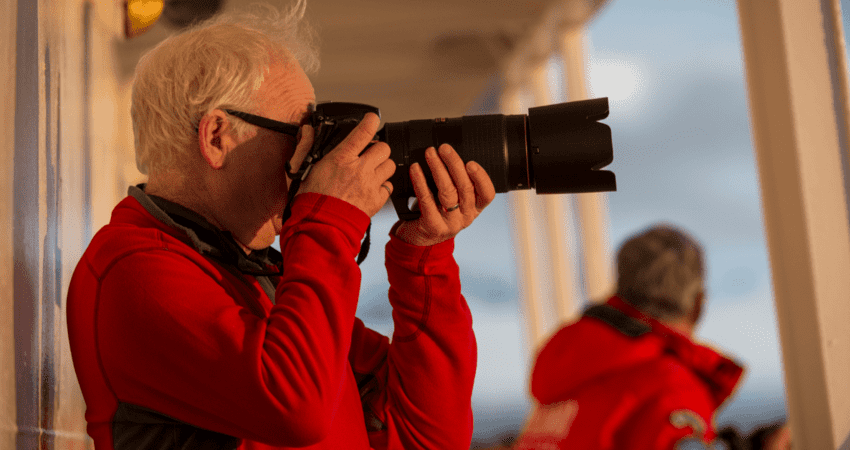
<point>484,141</point>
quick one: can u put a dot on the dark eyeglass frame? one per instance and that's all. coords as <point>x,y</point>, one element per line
<point>263,122</point>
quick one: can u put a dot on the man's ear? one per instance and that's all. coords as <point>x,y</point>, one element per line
<point>215,137</point>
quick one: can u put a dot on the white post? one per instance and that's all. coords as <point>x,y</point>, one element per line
<point>73,25</point>
<point>558,227</point>
<point>46,48</point>
<point>797,83</point>
<point>528,268</point>
<point>592,208</point>
<point>107,154</point>
<point>8,402</point>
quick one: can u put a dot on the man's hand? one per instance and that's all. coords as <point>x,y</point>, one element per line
<point>344,173</point>
<point>464,192</point>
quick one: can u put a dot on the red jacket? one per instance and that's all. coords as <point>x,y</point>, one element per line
<point>167,341</point>
<point>617,379</point>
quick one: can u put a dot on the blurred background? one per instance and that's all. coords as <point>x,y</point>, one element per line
<point>673,72</point>
<point>674,76</point>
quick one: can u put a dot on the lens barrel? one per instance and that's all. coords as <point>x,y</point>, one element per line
<point>489,140</point>
<point>554,149</point>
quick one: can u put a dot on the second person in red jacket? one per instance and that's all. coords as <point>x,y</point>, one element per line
<point>628,375</point>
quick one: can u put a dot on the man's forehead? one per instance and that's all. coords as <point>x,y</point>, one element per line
<point>287,89</point>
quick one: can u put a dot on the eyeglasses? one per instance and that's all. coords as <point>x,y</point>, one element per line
<point>269,124</point>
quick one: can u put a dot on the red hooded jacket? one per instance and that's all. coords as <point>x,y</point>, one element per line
<point>181,344</point>
<point>617,379</point>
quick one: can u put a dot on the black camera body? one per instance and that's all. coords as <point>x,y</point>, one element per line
<point>554,149</point>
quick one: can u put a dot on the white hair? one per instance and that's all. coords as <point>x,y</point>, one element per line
<point>218,63</point>
<point>660,272</point>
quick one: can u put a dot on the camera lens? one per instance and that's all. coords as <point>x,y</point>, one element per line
<point>554,149</point>
<point>497,142</point>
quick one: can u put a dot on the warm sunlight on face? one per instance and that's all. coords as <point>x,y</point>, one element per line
<point>618,80</point>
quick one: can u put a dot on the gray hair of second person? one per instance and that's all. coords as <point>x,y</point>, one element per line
<point>661,272</point>
<point>215,64</point>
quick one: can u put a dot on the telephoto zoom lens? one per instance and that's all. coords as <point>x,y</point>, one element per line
<point>554,149</point>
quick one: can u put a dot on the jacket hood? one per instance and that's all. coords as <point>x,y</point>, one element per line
<point>614,337</point>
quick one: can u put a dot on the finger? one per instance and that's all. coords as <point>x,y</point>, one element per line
<point>446,191</point>
<point>385,170</point>
<point>460,177</point>
<point>427,204</point>
<point>485,192</point>
<point>360,136</point>
<point>305,143</point>
<point>375,154</point>
<point>388,187</point>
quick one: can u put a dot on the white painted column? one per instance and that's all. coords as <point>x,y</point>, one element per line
<point>797,83</point>
<point>105,111</point>
<point>520,205</point>
<point>74,24</point>
<point>8,43</point>
<point>557,227</point>
<point>48,150</point>
<point>31,278</point>
<point>592,207</point>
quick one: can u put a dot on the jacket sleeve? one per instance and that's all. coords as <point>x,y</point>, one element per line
<point>175,340</point>
<point>423,391</point>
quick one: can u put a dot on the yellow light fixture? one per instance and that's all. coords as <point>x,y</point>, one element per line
<point>141,15</point>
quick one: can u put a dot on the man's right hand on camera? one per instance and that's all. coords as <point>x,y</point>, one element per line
<point>345,173</point>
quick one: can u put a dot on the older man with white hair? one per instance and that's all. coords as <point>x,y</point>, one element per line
<point>188,331</point>
<point>628,375</point>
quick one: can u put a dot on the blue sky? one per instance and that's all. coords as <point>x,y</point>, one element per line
<point>682,154</point>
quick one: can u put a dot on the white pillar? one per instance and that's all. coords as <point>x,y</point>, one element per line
<point>105,111</point>
<point>557,227</point>
<point>8,43</point>
<point>76,24</point>
<point>797,83</point>
<point>520,204</point>
<point>591,208</point>
<point>45,210</point>
<point>30,279</point>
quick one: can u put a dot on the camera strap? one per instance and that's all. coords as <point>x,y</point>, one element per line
<point>297,178</point>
